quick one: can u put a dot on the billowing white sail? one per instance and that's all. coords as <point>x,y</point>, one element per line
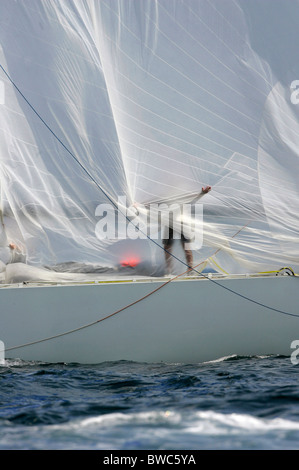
<point>146,101</point>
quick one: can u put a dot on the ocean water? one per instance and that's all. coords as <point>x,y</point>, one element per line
<point>236,403</point>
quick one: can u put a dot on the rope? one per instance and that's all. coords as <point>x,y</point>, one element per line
<point>89,324</point>
<point>102,319</point>
<point>130,221</point>
<point>84,169</point>
<point>74,330</point>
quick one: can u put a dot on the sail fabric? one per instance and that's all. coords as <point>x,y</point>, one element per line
<point>146,102</point>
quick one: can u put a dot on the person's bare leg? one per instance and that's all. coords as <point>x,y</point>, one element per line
<point>189,259</point>
<point>168,258</point>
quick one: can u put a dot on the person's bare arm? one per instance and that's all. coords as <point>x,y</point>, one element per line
<point>204,190</point>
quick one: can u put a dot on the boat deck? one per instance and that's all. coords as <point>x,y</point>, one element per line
<point>96,280</point>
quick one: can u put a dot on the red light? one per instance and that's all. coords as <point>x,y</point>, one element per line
<point>131,262</point>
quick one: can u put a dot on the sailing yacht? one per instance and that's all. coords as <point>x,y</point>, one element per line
<point>114,113</point>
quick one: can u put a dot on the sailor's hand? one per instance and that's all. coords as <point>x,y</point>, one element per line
<point>133,211</point>
<point>206,189</point>
<point>12,246</point>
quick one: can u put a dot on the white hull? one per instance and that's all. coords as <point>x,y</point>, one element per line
<point>186,321</point>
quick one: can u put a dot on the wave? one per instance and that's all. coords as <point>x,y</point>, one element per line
<point>165,430</point>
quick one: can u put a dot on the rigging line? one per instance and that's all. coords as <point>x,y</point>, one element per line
<point>171,66</point>
<point>74,330</point>
<point>212,54</point>
<point>128,218</point>
<point>55,135</point>
<point>176,70</point>
<point>229,48</point>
